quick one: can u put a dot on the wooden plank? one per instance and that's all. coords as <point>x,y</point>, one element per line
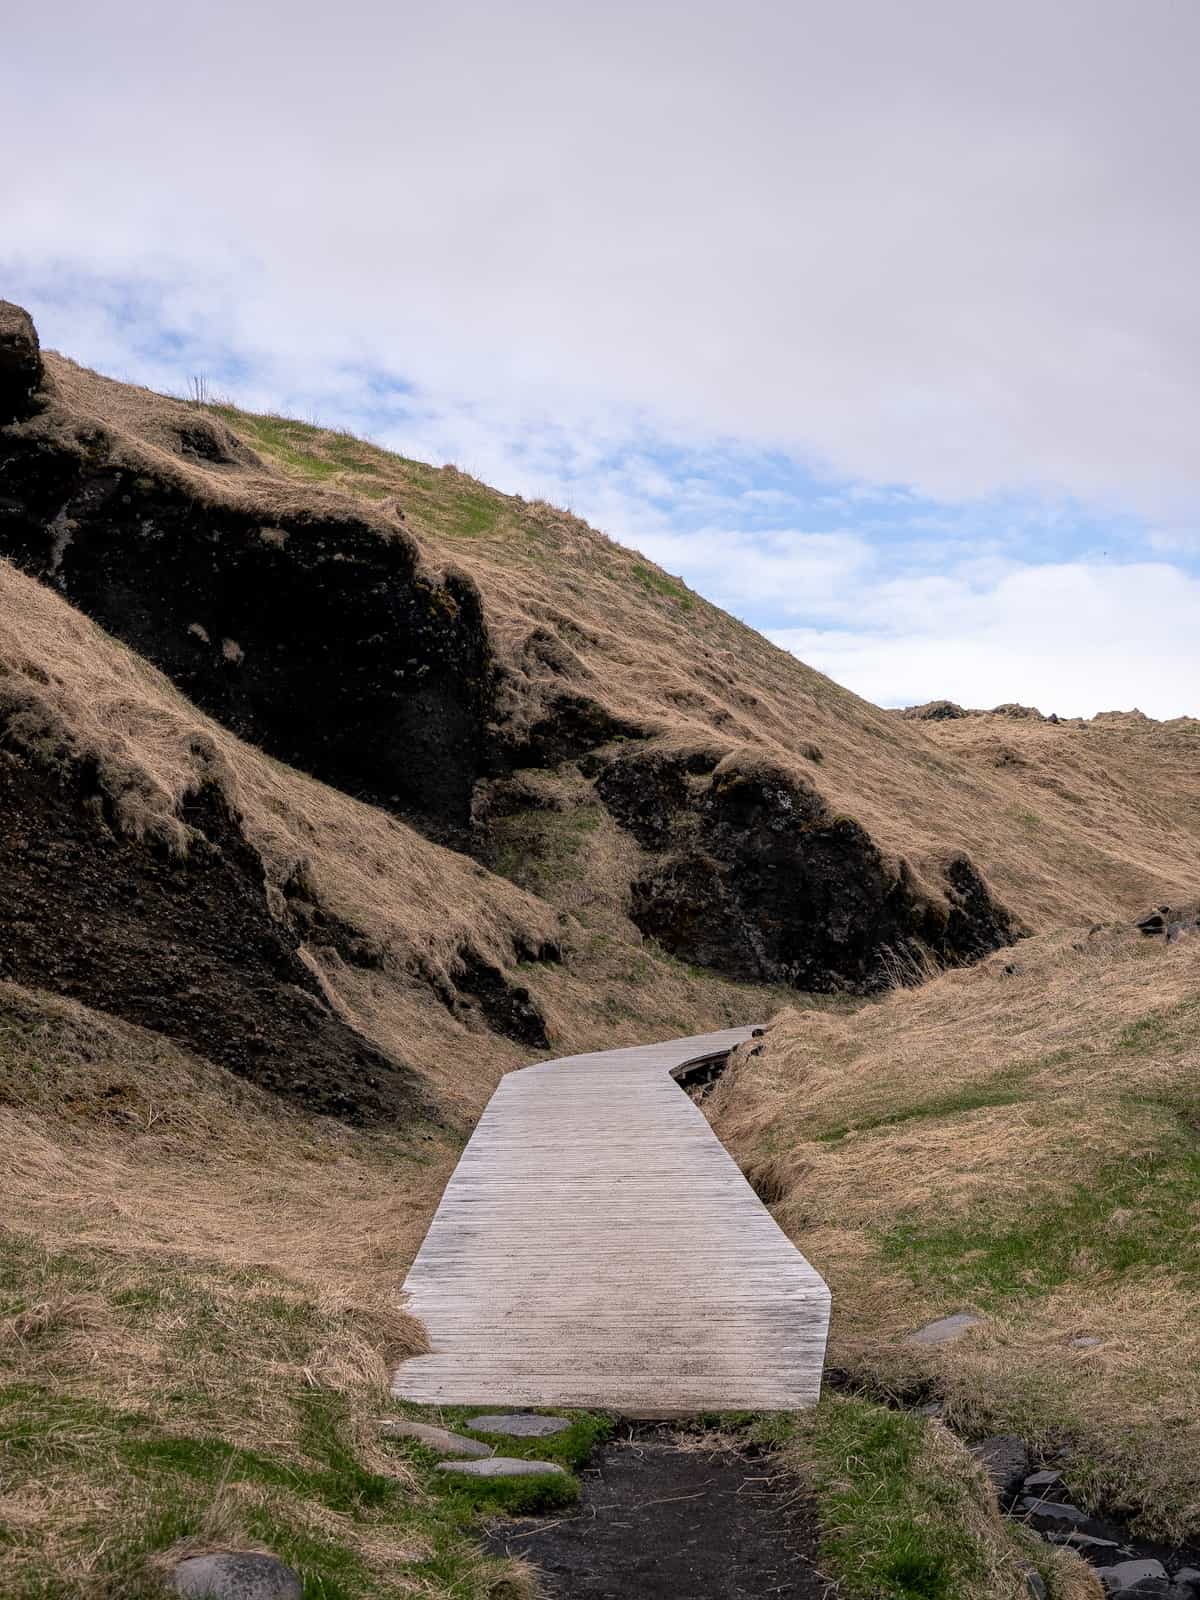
<point>596,1246</point>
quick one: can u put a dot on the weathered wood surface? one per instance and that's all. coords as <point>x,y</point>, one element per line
<point>596,1246</point>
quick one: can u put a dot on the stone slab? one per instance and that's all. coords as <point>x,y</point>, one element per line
<point>944,1329</point>
<point>519,1424</point>
<point>501,1467</point>
<point>450,1444</point>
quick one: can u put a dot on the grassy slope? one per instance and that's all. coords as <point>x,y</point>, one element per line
<point>1105,819</point>
<point>1022,1145</point>
<point>196,1327</point>
<point>145,1244</point>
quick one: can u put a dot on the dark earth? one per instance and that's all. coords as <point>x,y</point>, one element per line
<point>660,1522</point>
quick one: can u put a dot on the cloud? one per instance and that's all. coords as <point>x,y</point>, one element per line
<point>1072,638</point>
<point>876,323</point>
<point>942,246</point>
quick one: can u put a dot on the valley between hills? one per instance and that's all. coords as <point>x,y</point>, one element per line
<point>335,786</point>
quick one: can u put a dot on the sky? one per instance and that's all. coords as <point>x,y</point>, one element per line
<point>877,323</point>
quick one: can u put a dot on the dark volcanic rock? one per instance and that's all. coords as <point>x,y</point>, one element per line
<point>313,632</point>
<point>185,946</point>
<point>935,711</point>
<point>1005,1459</point>
<point>20,363</point>
<point>754,876</point>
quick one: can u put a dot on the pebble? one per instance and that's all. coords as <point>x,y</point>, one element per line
<point>944,1329</point>
<point>519,1424</point>
<point>1038,1483</point>
<point>450,1444</point>
<point>501,1467</point>
<point>236,1575</point>
<point>1135,1578</point>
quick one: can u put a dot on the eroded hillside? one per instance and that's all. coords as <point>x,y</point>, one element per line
<point>505,680</point>
<point>332,786</point>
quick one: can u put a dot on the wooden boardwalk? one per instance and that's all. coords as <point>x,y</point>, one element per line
<point>596,1246</point>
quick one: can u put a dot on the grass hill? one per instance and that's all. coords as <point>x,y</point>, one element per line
<point>332,786</point>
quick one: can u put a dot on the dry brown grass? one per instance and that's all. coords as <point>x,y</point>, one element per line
<point>1022,1145</point>
<point>1068,822</point>
<point>199,1314</point>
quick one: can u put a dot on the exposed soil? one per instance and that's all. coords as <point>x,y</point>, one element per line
<point>658,1522</point>
<point>183,945</point>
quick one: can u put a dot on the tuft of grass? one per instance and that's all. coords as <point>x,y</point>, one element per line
<point>907,1514</point>
<point>655,582</point>
<point>151,1409</point>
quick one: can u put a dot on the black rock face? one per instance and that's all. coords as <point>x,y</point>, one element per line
<point>752,875</point>
<point>317,636</point>
<point>20,363</point>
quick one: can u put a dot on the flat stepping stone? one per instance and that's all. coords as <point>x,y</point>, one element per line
<point>520,1425</point>
<point>944,1329</point>
<point>236,1575</point>
<point>501,1467</point>
<point>450,1444</point>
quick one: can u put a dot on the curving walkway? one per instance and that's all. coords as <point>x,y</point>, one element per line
<point>596,1246</point>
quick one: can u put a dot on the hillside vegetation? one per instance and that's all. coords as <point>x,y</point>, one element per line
<point>1018,1141</point>
<point>334,785</point>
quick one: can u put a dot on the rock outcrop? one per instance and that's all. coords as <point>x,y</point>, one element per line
<point>308,628</point>
<point>750,873</point>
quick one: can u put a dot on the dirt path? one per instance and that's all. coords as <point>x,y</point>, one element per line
<point>661,1522</point>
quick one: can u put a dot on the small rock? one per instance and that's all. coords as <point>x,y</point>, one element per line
<point>1135,1578</point>
<point>932,1408</point>
<point>1083,1541</point>
<point>519,1424</point>
<point>1005,1459</point>
<point>1035,1584</point>
<point>944,1329</point>
<point>1179,930</point>
<point>450,1444</point>
<point>500,1467</point>
<point>1187,1584</point>
<point>1053,1511</point>
<point>1040,1483</point>
<point>236,1575</point>
<point>1086,1341</point>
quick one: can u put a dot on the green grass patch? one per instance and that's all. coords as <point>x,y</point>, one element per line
<point>471,514</point>
<point>1137,1214</point>
<point>895,1524</point>
<point>539,849</point>
<point>1174,1028</point>
<point>215,1350</point>
<point>949,1105</point>
<point>655,582</point>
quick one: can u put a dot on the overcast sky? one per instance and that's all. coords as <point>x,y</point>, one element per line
<point>877,322</point>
